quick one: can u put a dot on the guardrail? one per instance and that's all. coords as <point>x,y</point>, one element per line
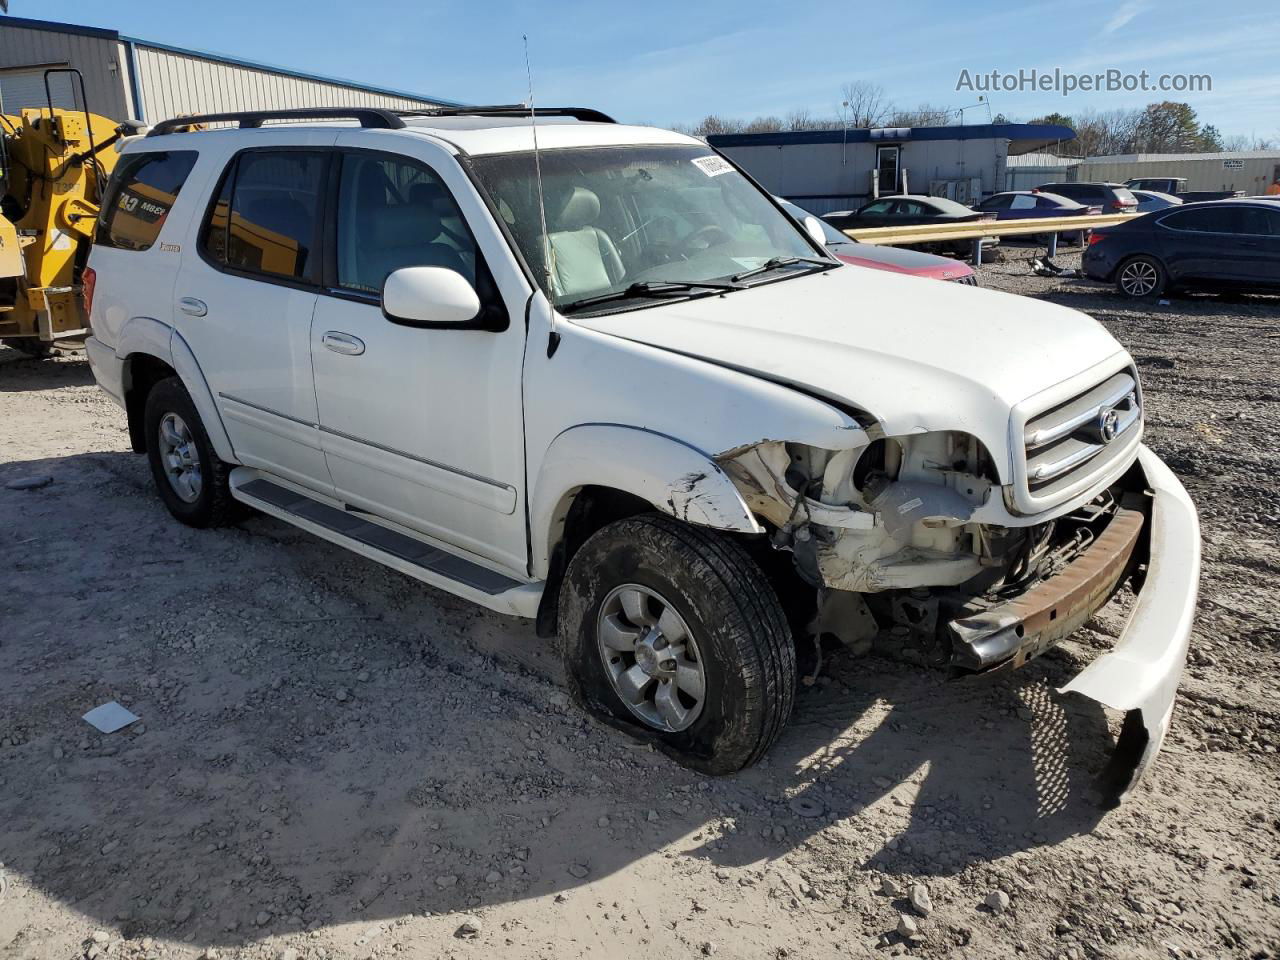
<point>979,230</point>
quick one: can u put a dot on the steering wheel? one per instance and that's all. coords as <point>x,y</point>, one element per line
<point>711,234</point>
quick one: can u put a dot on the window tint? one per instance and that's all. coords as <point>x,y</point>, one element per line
<point>1000,201</point>
<point>879,208</point>
<point>1206,220</point>
<point>1259,222</point>
<point>267,215</point>
<point>393,213</point>
<point>911,208</point>
<point>140,196</point>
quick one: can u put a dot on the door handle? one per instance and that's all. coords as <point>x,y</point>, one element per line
<point>343,343</point>
<point>193,307</point>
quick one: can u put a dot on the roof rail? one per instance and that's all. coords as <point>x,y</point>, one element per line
<point>371,117</point>
<point>513,110</point>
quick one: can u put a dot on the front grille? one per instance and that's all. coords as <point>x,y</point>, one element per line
<point>1078,439</point>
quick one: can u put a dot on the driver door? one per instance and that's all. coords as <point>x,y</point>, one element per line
<point>420,425</point>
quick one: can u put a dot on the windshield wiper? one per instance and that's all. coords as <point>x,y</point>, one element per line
<point>775,262</point>
<point>649,288</point>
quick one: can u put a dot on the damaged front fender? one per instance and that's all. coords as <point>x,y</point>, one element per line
<point>676,478</point>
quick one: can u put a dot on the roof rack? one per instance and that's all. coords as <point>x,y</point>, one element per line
<point>586,114</point>
<point>371,117</point>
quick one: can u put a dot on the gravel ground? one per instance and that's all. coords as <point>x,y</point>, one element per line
<point>335,761</point>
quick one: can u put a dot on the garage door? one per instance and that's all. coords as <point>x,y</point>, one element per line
<point>25,88</point>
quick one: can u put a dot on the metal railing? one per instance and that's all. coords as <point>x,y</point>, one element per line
<point>979,230</point>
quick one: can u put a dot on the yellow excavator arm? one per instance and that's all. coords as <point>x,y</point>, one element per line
<point>54,167</point>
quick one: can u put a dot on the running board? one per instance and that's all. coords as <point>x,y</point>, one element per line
<point>409,555</point>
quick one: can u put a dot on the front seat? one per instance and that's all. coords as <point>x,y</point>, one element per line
<point>585,260</point>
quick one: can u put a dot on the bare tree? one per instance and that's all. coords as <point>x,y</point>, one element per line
<point>864,104</point>
<point>925,115</point>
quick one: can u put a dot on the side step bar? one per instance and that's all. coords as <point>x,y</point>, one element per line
<point>409,555</point>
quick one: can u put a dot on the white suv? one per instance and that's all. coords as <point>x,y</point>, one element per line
<point>591,374</point>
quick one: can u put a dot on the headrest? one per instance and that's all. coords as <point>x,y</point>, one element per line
<point>579,209</point>
<point>427,192</point>
<point>405,225</point>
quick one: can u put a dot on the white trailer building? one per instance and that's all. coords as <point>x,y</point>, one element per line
<point>1253,171</point>
<point>126,77</point>
<point>825,170</point>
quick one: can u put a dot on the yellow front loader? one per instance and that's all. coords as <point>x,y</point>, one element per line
<point>54,165</point>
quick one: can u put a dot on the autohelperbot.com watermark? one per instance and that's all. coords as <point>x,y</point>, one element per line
<point>1064,82</point>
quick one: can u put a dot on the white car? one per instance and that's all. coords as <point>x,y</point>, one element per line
<point>591,375</point>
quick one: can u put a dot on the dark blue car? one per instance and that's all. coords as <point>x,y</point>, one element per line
<point>1225,245</point>
<point>1033,204</point>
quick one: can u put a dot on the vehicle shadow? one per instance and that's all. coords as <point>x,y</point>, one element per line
<point>324,741</point>
<point>20,373</point>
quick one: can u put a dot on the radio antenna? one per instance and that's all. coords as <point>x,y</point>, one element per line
<point>548,254</point>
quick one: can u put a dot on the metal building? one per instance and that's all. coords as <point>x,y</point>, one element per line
<point>825,170</point>
<point>128,77</point>
<point>1253,171</point>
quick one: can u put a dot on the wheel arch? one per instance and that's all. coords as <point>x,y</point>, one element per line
<point>149,358</point>
<point>595,474</point>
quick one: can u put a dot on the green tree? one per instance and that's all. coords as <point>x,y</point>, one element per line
<point>1055,119</point>
<point>1167,127</point>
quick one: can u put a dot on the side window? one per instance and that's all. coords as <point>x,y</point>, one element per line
<point>1023,201</point>
<point>266,218</point>
<point>1202,221</point>
<point>1258,222</point>
<point>394,212</point>
<point>1000,201</point>
<point>140,196</point>
<point>877,209</point>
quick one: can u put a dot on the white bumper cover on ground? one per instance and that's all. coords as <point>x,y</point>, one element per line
<point>1141,674</point>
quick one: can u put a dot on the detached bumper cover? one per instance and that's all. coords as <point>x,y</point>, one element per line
<point>1141,674</point>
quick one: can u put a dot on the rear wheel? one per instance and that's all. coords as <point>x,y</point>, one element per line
<point>673,633</point>
<point>1141,277</point>
<point>191,480</point>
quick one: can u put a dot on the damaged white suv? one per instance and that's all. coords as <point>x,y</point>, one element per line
<point>591,374</point>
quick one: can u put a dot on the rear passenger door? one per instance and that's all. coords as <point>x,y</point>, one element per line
<point>244,303</point>
<point>1208,244</point>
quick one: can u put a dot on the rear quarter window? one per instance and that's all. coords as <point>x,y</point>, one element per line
<point>139,197</point>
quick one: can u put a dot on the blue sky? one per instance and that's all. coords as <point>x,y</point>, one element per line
<point>665,62</point>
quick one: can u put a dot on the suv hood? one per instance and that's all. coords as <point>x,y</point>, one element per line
<point>914,354</point>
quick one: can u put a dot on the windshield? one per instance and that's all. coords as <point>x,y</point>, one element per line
<point>618,217</point>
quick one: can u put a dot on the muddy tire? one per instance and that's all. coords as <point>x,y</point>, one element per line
<point>191,480</point>
<point>673,634</point>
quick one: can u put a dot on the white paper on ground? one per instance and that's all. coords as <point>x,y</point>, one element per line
<point>110,717</point>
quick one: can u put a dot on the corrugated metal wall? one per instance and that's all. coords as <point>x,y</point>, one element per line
<point>22,49</point>
<point>1254,175</point>
<point>173,84</point>
<point>822,177</point>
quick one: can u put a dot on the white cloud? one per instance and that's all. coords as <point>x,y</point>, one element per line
<point>1126,12</point>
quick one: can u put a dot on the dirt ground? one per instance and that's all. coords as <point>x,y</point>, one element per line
<point>335,761</point>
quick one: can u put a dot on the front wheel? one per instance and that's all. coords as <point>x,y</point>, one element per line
<point>1141,277</point>
<point>673,633</point>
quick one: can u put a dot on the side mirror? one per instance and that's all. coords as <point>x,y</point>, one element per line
<point>429,296</point>
<point>814,227</point>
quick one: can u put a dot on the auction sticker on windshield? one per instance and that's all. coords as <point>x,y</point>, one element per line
<point>712,166</point>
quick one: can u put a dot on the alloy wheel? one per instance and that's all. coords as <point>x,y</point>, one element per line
<point>1139,278</point>
<point>180,458</point>
<point>651,658</point>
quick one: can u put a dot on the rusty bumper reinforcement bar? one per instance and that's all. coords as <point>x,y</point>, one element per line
<point>1026,626</point>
